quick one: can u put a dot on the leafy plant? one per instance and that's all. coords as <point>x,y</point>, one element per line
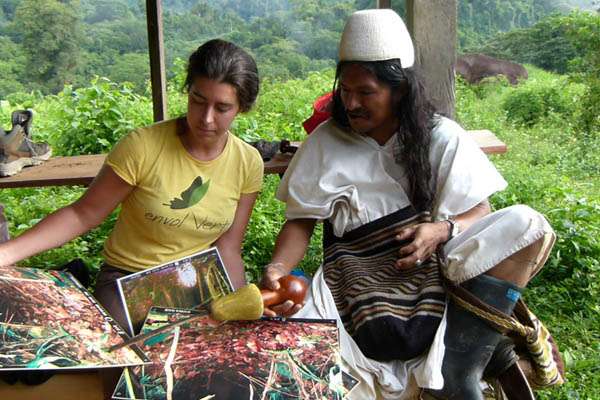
<point>529,105</point>
<point>91,120</point>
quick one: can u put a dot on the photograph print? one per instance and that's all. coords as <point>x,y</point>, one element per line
<point>263,359</point>
<point>49,321</point>
<point>189,282</point>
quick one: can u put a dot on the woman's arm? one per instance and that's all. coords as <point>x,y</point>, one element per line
<point>230,243</point>
<point>100,199</point>
<point>428,236</point>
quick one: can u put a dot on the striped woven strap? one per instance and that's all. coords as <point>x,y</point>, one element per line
<point>496,318</point>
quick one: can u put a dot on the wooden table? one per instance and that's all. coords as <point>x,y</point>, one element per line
<point>81,170</point>
<point>63,386</point>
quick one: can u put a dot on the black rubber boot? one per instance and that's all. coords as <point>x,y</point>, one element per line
<point>470,341</point>
<point>503,358</point>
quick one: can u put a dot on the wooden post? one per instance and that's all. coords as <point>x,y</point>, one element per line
<point>157,59</point>
<point>4,235</point>
<point>432,24</point>
<point>384,3</point>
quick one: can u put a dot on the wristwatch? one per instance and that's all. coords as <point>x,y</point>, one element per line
<point>454,228</point>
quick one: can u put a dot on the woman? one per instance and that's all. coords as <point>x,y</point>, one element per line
<point>394,182</point>
<point>158,174</point>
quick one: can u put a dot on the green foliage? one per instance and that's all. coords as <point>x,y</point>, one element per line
<point>553,43</point>
<point>11,66</point>
<point>50,31</point>
<point>583,29</point>
<point>562,43</point>
<point>133,68</point>
<point>125,35</point>
<point>289,38</point>
<point>282,107</point>
<point>91,120</point>
<point>10,82</point>
<point>106,10</point>
<point>25,207</point>
<point>529,105</point>
<point>481,19</point>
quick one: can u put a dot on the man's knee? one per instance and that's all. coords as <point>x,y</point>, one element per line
<point>523,216</point>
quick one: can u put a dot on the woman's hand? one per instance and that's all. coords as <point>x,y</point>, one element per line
<point>425,239</point>
<point>270,281</point>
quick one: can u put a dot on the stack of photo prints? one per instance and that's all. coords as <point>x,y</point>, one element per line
<point>49,321</point>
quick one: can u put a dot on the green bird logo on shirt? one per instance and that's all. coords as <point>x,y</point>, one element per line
<point>191,195</point>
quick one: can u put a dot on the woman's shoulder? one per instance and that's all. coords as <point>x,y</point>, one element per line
<point>244,149</point>
<point>148,132</point>
<point>152,136</point>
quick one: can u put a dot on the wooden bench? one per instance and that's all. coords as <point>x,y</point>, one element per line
<point>81,170</point>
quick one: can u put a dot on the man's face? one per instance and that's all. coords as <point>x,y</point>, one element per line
<point>368,102</point>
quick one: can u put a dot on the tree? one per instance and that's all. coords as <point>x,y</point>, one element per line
<point>11,62</point>
<point>133,68</point>
<point>583,29</point>
<point>549,44</point>
<point>50,32</point>
<point>107,10</point>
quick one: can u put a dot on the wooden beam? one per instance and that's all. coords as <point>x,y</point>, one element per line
<point>384,3</point>
<point>157,59</point>
<point>432,24</point>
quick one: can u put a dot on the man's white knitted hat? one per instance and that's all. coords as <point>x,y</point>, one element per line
<point>376,35</point>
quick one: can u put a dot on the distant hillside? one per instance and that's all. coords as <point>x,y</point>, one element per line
<point>288,37</point>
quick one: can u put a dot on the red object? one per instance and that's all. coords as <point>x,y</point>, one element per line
<point>291,288</point>
<point>321,112</point>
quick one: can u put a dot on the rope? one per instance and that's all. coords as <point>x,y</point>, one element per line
<point>507,323</point>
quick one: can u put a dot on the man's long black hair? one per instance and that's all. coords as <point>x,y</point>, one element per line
<point>416,116</point>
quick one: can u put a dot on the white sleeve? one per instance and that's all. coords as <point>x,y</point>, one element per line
<point>317,183</point>
<point>465,176</point>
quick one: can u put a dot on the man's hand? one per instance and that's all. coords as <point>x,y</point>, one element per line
<point>423,241</point>
<point>269,281</point>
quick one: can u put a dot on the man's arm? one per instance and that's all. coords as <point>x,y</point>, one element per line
<point>428,236</point>
<point>290,248</point>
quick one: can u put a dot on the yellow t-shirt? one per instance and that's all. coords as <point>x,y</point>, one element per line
<point>179,205</point>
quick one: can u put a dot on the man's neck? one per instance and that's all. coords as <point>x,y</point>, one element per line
<point>384,132</point>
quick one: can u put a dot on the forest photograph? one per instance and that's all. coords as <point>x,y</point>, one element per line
<point>48,321</point>
<point>187,283</point>
<point>274,359</point>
